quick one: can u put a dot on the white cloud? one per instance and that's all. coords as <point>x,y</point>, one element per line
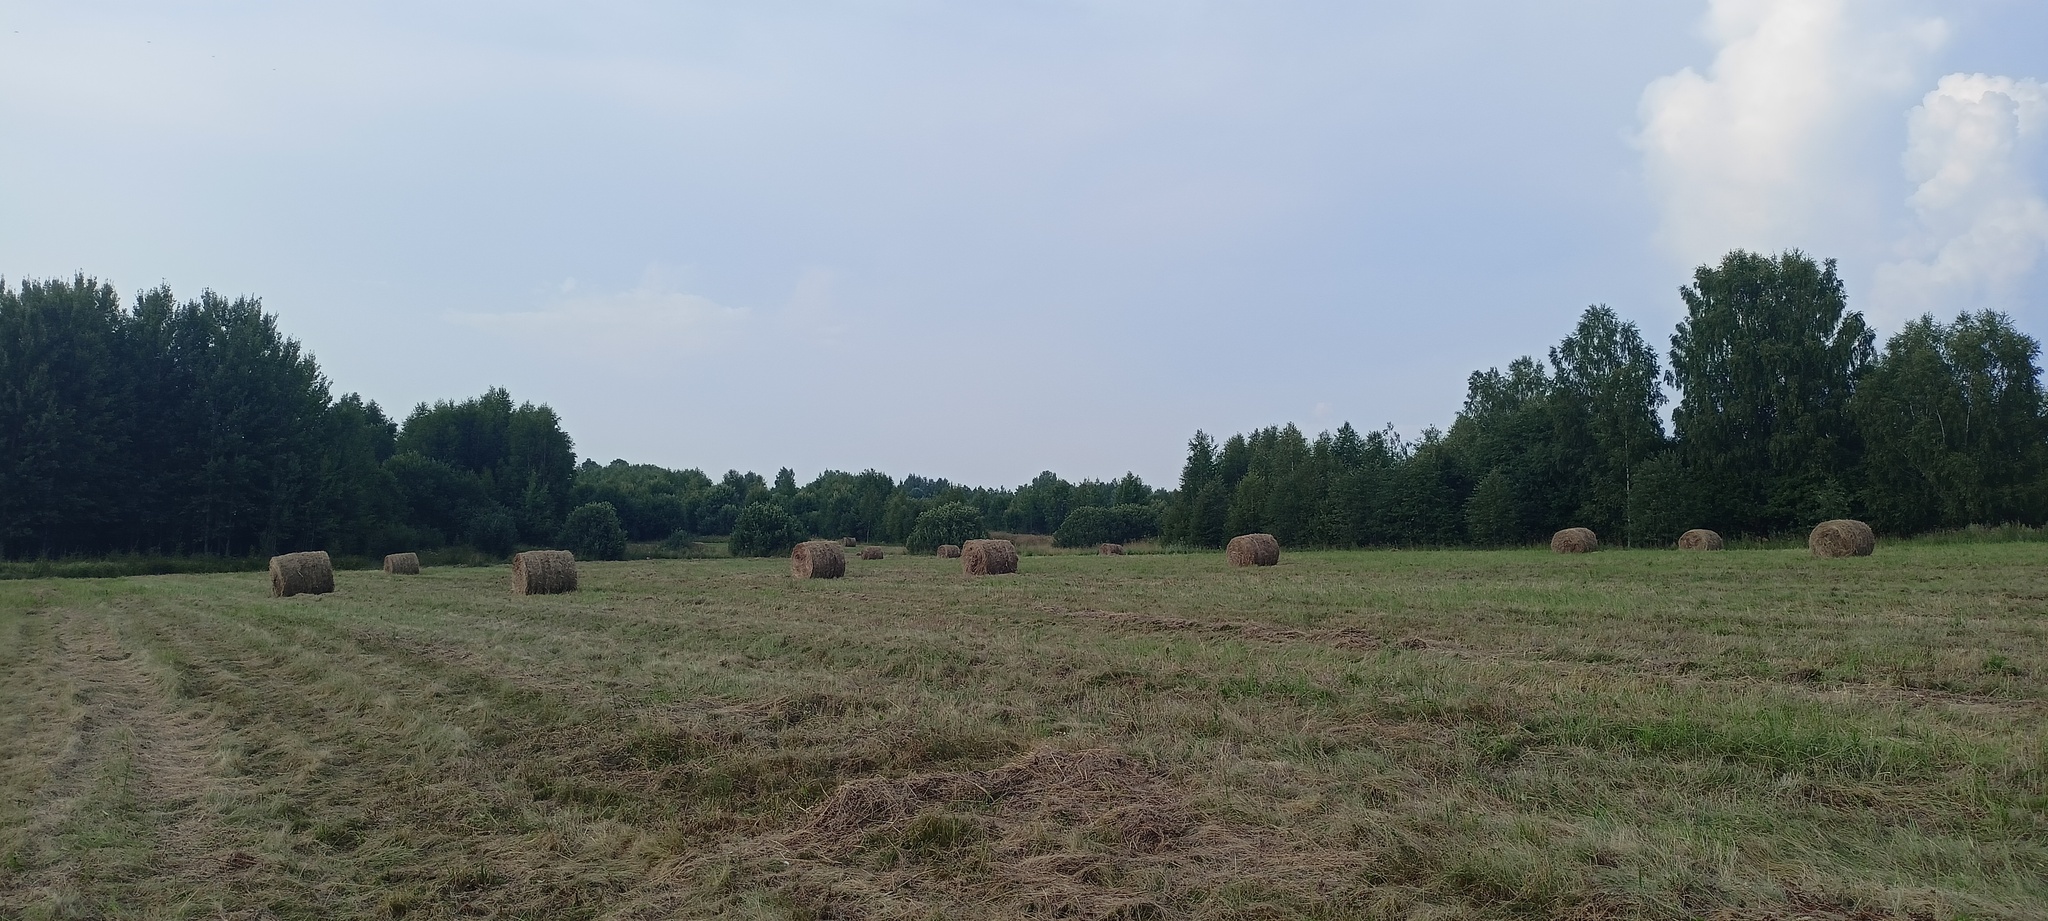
<point>1983,225</point>
<point>1752,153</point>
<point>648,320</point>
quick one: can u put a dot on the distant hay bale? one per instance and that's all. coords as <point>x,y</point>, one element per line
<point>948,551</point>
<point>1574,540</point>
<point>1841,537</point>
<point>1110,549</point>
<point>402,564</point>
<point>543,572</point>
<point>870,553</point>
<point>1253,550</point>
<point>1699,539</point>
<point>988,557</point>
<point>848,542</point>
<point>817,559</point>
<point>308,573</point>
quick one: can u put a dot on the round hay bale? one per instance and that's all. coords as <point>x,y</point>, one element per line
<point>988,557</point>
<point>1699,539</point>
<point>402,564</point>
<point>848,542</point>
<point>308,573</point>
<point>1110,549</point>
<point>1253,550</point>
<point>1574,540</point>
<point>817,559</point>
<point>543,572</point>
<point>1841,537</point>
<point>871,553</point>
<point>948,552</point>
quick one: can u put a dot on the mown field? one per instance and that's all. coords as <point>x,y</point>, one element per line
<point>1743,735</point>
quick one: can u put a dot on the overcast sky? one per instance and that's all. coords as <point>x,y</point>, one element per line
<point>978,240</point>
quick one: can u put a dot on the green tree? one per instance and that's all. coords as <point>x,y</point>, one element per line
<point>764,529</point>
<point>945,523</point>
<point>593,532</point>
<point>1608,394</point>
<point>1493,516</point>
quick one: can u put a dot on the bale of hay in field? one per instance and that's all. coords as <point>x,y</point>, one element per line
<point>948,552</point>
<point>1841,537</point>
<point>1699,539</point>
<point>308,573</point>
<point>988,557</point>
<point>1253,550</point>
<point>1574,540</point>
<point>870,553</point>
<point>848,542</point>
<point>817,559</point>
<point>543,572</point>
<point>1109,549</point>
<point>402,564</point>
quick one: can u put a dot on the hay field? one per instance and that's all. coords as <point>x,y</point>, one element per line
<point>1739,735</point>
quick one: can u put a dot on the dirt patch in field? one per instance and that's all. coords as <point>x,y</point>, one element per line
<point>1342,637</point>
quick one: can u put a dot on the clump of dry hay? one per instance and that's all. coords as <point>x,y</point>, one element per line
<point>1253,550</point>
<point>402,564</point>
<point>1574,540</point>
<point>848,542</point>
<point>871,553</point>
<point>1841,537</point>
<point>1699,539</point>
<point>988,557</point>
<point>1109,549</point>
<point>817,559</point>
<point>543,572</point>
<point>948,552</point>
<point>308,573</point>
<point>1093,783</point>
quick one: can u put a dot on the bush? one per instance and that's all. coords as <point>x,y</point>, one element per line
<point>493,531</point>
<point>946,523</point>
<point>593,532</point>
<point>764,529</point>
<point>1088,525</point>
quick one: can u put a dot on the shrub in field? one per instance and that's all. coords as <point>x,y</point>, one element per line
<point>946,523</point>
<point>1090,525</point>
<point>764,529</point>
<point>593,532</point>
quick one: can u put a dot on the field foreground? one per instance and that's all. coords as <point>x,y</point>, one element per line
<point>1742,735</point>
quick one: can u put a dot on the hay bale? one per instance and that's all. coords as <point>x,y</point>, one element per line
<point>817,559</point>
<point>1110,549</point>
<point>308,573</point>
<point>1253,550</point>
<point>948,551</point>
<point>543,572</point>
<point>1574,540</point>
<point>870,553</point>
<point>988,557</point>
<point>1841,537</point>
<point>1699,539</point>
<point>402,564</point>
<point>848,542</point>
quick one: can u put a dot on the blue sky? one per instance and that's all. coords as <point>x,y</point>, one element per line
<point>981,240</point>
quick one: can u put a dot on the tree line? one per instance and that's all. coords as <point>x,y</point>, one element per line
<point>1786,414</point>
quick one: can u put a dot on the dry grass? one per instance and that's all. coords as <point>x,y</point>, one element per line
<point>1738,735</point>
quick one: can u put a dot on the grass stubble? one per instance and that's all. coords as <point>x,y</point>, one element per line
<point>1741,735</point>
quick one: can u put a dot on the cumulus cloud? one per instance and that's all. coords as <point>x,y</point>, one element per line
<point>649,319</point>
<point>1751,153</point>
<point>1982,223</point>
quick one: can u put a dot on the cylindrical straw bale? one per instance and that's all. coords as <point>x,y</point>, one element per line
<point>1841,537</point>
<point>308,573</point>
<point>402,564</point>
<point>817,559</point>
<point>1109,549</point>
<point>1700,539</point>
<point>948,552</point>
<point>543,572</point>
<point>1574,540</point>
<point>871,553</point>
<point>1253,550</point>
<point>848,542</point>
<point>988,557</point>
